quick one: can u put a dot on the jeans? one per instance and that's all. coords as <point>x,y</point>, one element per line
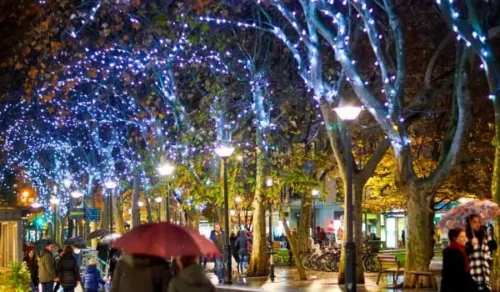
<point>47,286</point>
<point>33,286</point>
<point>219,268</point>
<point>243,261</point>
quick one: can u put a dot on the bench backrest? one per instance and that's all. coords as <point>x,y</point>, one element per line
<point>388,262</point>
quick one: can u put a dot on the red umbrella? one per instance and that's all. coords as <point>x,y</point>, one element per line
<point>165,240</point>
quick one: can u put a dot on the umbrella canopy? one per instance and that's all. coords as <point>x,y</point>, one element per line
<point>165,240</point>
<point>109,238</point>
<point>75,241</point>
<point>457,217</point>
<point>98,233</point>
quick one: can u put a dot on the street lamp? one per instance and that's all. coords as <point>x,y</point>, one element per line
<point>224,151</point>
<point>315,192</point>
<point>67,183</point>
<point>76,194</point>
<point>349,114</point>
<point>166,169</point>
<point>110,185</point>
<point>158,201</point>
<point>269,183</point>
<point>54,201</point>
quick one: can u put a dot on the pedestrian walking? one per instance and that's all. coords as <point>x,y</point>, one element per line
<point>456,265</point>
<point>47,268</point>
<point>191,277</point>
<point>242,247</point>
<point>141,273</point>
<point>58,258</point>
<point>92,277</point>
<point>113,257</point>
<point>232,241</point>
<point>31,262</point>
<point>67,270</point>
<point>478,250</point>
<point>217,236</point>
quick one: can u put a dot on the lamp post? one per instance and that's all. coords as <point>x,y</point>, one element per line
<point>110,185</point>
<point>349,114</point>
<point>158,201</point>
<point>224,151</point>
<point>166,169</point>
<point>76,194</point>
<point>269,184</point>
<point>54,201</point>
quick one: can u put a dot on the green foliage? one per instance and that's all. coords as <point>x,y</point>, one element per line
<point>15,279</point>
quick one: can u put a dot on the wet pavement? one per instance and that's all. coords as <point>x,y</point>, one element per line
<point>287,280</point>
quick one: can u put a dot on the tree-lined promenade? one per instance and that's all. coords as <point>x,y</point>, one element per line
<point>109,91</point>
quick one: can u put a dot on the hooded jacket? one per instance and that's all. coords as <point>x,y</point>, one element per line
<point>192,279</point>
<point>140,273</point>
<point>46,267</point>
<point>92,278</point>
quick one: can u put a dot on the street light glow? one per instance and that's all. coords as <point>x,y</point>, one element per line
<point>36,205</point>
<point>238,200</point>
<point>269,182</point>
<point>140,203</point>
<point>110,184</point>
<point>232,212</point>
<point>315,192</point>
<point>224,150</point>
<point>348,113</point>
<point>76,194</point>
<point>165,169</point>
<point>67,183</point>
<point>158,199</point>
<point>54,200</point>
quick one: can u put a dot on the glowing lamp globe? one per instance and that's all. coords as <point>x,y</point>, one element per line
<point>140,204</point>
<point>315,192</point>
<point>269,182</point>
<point>36,205</point>
<point>224,151</point>
<point>76,194</point>
<point>348,113</point>
<point>165,169</point>
<point>67,182</point>
<point>110,184</point>
<point>54,200</point>
<point>158,199</point>
<point>238,199</point>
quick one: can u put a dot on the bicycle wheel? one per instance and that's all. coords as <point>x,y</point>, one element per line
<point>314,262</point>
<point>326,261</point>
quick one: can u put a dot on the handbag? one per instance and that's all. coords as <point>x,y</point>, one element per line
<point>78,288</point>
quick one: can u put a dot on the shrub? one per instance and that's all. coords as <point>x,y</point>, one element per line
<point>15,279</point>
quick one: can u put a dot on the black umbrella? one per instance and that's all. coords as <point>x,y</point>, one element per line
<point>98,233</point>
<point>76,241</point>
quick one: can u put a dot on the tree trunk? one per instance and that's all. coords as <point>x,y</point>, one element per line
<point>358,187</point>
<point>148,209</point>
<point>495,190</point>
<point>105,213</point>
<point>417,247</point>
<point>293,245</point>
<point>118,224</point>
<point>136,192</point>
<point>303,241</point>
<point>258,259</point>
<point>194,219</point>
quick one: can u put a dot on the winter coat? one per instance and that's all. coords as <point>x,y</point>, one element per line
<point>455,278</point>
<point>46,266</point>
<point>32,265</point>
<point>242,243</point>
<point>191,279</point>
<point>141,273</point>
<point>67,271</point>
<point>218,239</point>
<point>92,278</point>
<point>102,252</point>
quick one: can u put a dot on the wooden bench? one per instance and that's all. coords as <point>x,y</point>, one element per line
<point>389,264</point>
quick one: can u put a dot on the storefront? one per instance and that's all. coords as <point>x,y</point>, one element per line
<point>11,236</point>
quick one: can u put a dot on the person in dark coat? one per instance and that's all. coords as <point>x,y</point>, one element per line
<point>191,277</point>
<point>234,251</point>
<point>67,270</point>
<point>102,254</point>
<point>113,257</point>
<point>92,277</point>
<point>456,275</point>
<point>242,247</point>
<point>141,273</point>
<point>31,262</point>
<point>217,236</point>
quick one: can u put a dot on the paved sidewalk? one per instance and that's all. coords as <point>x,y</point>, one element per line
<point>287,280</point>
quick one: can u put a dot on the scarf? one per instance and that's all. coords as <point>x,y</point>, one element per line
<point>461,248</point>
